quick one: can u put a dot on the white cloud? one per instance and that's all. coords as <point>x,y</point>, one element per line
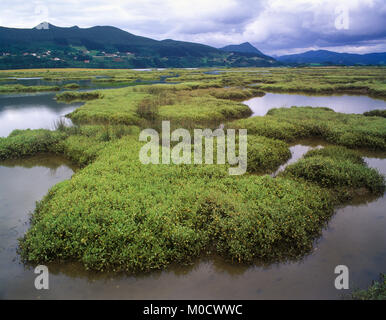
<point>271,25</point>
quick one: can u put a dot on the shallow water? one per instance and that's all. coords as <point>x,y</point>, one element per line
<point>22,183</point>
<point>41,110</point>
<point>354,237</point>
<point>31,111</point>
<point>298,150</point>
<point>339,103</point>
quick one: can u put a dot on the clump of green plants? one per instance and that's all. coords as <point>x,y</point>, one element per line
<point>138,217</point>
<point>269,127</point>
<point>236,94</point>
<point>11,88</point>
<point>199,109</point>
<point>116,213</point>
<point>336,152</point>
<point>22,143</point>
<point>330,170</point>
<point>78,96</point>
<point>266,155</point>
<point>148,109</point>
<point>72,86</point>
<point>377,291</point>
<point>289,124</point>
<point>117,106</point>
<point>83,143</point>
<point>164,102</point>
<point>376,113</point>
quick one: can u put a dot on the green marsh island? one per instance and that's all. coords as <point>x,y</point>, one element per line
<point>116,215</point>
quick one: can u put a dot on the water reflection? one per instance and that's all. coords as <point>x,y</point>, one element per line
<point>339,103</point>
<point>354,236</point>
<point>22,183</point>
<point>31,111</point>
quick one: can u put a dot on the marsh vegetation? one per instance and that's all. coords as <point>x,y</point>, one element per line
<point>117,214</point>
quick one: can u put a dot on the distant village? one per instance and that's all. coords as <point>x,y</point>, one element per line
<point>84,56</point>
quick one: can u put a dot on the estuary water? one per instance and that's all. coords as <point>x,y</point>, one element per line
<point>355,235</point>
<point>339,103</point>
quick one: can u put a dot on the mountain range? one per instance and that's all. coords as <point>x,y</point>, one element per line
<point>47,45</point>
<point>326,57</point>
<point>245,47</point>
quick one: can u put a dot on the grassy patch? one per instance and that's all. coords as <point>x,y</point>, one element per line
<point>71,86</point>
<point>266,155</point>
<point>377,291</point>
<point>11,88</point>
<point>330,170</point>
<point>289,124</point>
<point>78,96</point>
<point>118,214</point>
<point>139,218</point>
<point>376,113</point>
<point>163,102</point>
<point>22,143</point>
<point>236,94</point>
<point>336,152</point>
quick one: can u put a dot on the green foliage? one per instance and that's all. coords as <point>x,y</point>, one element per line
<point>117,106</point>
<point>377,291</point>
<point>376,113</point>
<point>266,155</point>
<point>22,143</point>
<point>269,127</point>
<point>165,102</point>
<point>78,96</point>
<point>203,109</point>
<point>10,88</point>
<point>72,86</point>
<point>139,218</point>
<point>84,143</point>
<point>336,152</point>
<point>330,171</point>
<point>236,94</point>
<point>289,124</point>
<point>118,214</point>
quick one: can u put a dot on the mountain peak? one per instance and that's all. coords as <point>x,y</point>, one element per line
<point>245,47</point>
<point>43,26</point>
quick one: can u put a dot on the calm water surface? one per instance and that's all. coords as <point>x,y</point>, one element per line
<point>31,111</point>
<point>341,103</point>
<point>355,235</point>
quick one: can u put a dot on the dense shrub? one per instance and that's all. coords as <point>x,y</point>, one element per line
<point>266,155</point>
<point>136,218</point>
<point>336,152</point>
<point>350,130</point>
<point>72,86</point>
<point>236,94</point>
<point>334,173</point>
<point>78,96</point>
<point>377,291</point>
<point>22,143</point>
<point>376,113</point>
<point>9,88</point>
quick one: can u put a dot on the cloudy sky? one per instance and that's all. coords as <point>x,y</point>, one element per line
<point>274,26</point>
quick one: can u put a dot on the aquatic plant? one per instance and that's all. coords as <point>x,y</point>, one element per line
<point>11,88</point>
<point>289,124</point>
<point>376,291</point>
<point>78,96</point>
<point>375,113</point>
<point>22,143</point>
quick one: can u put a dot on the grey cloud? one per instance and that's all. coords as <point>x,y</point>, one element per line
<point>274,26</point>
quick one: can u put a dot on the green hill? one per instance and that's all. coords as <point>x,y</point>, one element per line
<point>104,46</point>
